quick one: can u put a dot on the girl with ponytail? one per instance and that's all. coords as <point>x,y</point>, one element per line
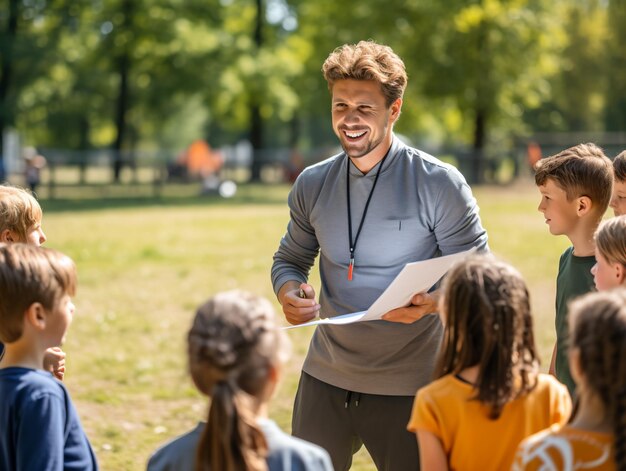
<point>235,351</point>
<point>595,437</point>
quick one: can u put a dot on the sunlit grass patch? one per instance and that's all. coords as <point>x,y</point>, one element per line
<point>144,268</point>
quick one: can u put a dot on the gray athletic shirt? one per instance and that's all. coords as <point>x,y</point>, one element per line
<point>421,208</point>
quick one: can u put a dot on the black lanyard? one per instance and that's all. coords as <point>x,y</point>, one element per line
<point>367,203</point>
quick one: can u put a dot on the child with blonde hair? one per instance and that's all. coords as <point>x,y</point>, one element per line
<point>20,221</point>
<point>618,199</point>
<point>488,394</point>
<point>20,217</point>
<point>610,268</point>
<point>235,353</point>
<point>595,437</point>
<point>39,426</point>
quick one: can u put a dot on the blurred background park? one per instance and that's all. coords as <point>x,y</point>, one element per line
<point>130,85</point>
<point>137,105</point>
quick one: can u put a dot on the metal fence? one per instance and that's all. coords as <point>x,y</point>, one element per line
<point>148,173</point>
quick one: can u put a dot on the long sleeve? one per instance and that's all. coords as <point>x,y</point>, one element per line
<point>299,246</point>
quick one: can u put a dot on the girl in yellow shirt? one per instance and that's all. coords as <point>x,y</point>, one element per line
<point>595,438</point>
<point>488,394</point>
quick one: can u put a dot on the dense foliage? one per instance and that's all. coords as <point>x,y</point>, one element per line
<point>148,74</point>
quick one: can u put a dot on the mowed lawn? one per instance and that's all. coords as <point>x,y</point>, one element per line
<point>144,267</point>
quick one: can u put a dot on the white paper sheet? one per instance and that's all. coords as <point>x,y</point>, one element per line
<point>415,277</point>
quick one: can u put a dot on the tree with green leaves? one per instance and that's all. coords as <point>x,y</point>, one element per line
<point>487,59</point>
<point>473,66</point>
<point>150,56</point>
<point>578,84</point>
<point>30,34</point>
<point>616,71</point>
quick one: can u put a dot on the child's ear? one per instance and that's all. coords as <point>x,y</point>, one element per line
<point>584,205</point>
<point>7,236</point>
<point>273,377</point>
<point>274,373</point>
<point>36,316</point>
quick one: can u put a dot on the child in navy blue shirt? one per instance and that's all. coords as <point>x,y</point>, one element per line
<point>40,429</point>
<point>20,221</point>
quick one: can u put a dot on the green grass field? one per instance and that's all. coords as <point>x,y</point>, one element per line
<point>144,265</point>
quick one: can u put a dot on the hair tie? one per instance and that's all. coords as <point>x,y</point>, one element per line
<point>226,379</point>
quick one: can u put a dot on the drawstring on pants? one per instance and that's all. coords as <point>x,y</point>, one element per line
<point>357,398</point>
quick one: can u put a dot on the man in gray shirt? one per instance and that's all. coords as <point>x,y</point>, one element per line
<point>367,212</point>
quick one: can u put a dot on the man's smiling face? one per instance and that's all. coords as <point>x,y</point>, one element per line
<point>361,118</point>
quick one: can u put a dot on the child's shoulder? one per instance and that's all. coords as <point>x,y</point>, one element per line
<point>570,261</point>
<point>177,453</point>
<point>447,385</point>
<point>563,443</point>
<point>529,443</point>
<point>26,384</point>
<point>567,253</point>
<point>551,393</point>
<point>547,382</point>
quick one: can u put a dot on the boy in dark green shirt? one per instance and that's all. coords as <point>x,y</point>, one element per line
<point>575,187</point>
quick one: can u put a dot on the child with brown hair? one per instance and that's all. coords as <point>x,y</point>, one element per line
<point>488,394</point>
<point>610,268</point>
<point>20,221</point>
<point>595,437</point>
<point>235,352</point>
<point>618,200</point>
<point>39,426</point>
<point>575,187</point>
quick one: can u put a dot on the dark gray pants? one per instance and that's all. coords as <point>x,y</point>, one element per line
<point>342,421</point>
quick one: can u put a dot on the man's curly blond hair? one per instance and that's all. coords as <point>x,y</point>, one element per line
<point>367,60</point>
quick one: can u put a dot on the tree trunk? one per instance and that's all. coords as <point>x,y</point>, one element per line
<point>123,97</point>
<point>83,145</point>
<point>256,121</point>
<point>256,140</point>
<point>615,112</point>
<point>120,117</point>
<point>481,110</point>
<point>478,147</point>
<point>6,102</point>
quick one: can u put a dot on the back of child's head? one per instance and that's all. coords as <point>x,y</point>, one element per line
<point>19,210</point>
<point>582,170</point>
<point>488,323</point>
<point>233,344</point>
<point>598,332</point>
<point>610,239</point>
<point>619,166</point>
<point>29,275</point>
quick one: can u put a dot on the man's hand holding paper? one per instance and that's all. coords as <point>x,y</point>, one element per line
<point>421,305</point>
<point>398,303</point>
